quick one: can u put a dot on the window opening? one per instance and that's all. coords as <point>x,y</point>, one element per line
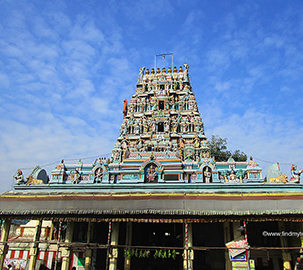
<point>160,127</point>
<point>161,105</point>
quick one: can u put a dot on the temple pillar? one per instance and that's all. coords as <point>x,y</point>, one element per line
<point>286,256</point>
<point>227,238</point>
<point>113,258</point>
<point>88,252</point>
<point>4,237</point>
<point>188,243</point>
<point>51,231</point>
<point>88,258</point>
<point>34,250</point>
<point>66,251</point>
<point>128,242</point>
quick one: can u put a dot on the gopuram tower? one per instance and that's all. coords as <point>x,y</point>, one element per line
<point>162,133</point>
<point>161,140</point>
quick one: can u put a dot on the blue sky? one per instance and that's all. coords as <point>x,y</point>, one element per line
<point>67,66</point>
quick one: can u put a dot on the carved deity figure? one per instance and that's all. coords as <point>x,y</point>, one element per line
<point>196,141</point>
<point>153,125</point>
<point>175,126</point>
<point>183,124</point>
<point>137,128</point>
<point>295,175</point>
<point>124,108</point>
<point>140,76</point>
<point>207,175</point>
<point>252,163</point>
<point>166,125</point>
<point>130,121</point>
<point>154,105</point>
<point>186,77</point>
<point>98,175</point>
<point>19,177</point>
<point>179,118</point>
<point>232,176</point>
<point>76,177</point>
<point>171,103</point>
<point>30,180</point>
<point>167,105</point>
<point>181,143</point>
<point>151,174</point>
<point>140,145</point>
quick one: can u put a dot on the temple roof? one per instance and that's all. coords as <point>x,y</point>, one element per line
<point>142,205</point>
<point>160,164</point>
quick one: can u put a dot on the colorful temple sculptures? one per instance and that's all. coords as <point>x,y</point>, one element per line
<point>159,201</point>
<point>161,140</point>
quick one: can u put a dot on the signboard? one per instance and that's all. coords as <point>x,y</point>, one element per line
<point>237,246</point>
<point>243,265</point>
<point>241,257</point>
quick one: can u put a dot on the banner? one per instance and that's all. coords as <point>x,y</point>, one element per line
<point>237,246</point>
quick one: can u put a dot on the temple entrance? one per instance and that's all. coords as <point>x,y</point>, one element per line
<point>155,237</point>
<point>208,235</point>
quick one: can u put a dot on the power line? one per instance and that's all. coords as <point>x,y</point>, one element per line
<point>273,162</point>
<point>69,159</point>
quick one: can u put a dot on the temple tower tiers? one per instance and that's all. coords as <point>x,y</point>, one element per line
<point>162,117</point>
<point>161,140</point>
<point>162,122</point>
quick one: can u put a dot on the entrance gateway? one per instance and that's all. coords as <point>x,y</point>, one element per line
<point>159,201</point>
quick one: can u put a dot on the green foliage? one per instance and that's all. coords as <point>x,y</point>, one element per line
<point>158,253</point>
<point>218,150</point>
<point>239,156</point>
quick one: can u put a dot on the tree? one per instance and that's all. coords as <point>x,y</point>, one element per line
<point>239,156</point>
<point>218,150</point>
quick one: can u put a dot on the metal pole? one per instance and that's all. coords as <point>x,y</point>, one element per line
<point>108,243</point>
<point>172,61</point>
<point>58,244</point>
<point>163,56</point>
<point>245,236</point>
<point>155,62</point>
<point>186,243</point>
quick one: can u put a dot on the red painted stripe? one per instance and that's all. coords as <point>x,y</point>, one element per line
<point>71,261</point>
<point>45,256</point>
<point>21,254</point>
<point>12,254</point>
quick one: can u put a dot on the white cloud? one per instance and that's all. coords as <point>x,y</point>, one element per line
<point>261,135</point>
